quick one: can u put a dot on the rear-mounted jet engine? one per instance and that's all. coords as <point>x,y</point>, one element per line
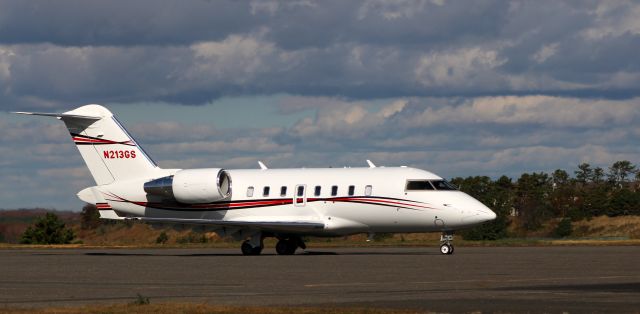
<point>192,186</point>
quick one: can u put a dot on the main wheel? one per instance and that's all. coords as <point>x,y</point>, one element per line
<point>451,249</point>
<point>286,247</point>
<point>247,249</point>
<point>446,248</point>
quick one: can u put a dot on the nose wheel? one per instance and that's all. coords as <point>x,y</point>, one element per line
<point>446,248</point>
<point>446,245</point>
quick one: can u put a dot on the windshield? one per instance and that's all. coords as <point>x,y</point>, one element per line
<point>418,185</point>
<point>443,185</point>
<point>429,185</point>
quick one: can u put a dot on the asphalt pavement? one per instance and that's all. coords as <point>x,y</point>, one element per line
<point>486,279</point>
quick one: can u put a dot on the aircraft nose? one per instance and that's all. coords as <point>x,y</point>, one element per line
<point>477,212</point>
<point>488,214</point>
<point>484,212</point>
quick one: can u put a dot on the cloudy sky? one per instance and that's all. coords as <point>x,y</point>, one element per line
<point>456,87</point>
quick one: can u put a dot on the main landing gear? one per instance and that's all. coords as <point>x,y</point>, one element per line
<point>254,245</point>
<point>248,249</point>
<point>288,246</point>
<point>285,245</point>
<point>446,247</point>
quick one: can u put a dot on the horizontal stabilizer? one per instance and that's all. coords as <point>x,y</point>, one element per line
<point>265,225</point>
<point>109,214</point>
<point>60,115</point>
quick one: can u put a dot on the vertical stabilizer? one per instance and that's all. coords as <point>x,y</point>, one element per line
<point>107,148</point>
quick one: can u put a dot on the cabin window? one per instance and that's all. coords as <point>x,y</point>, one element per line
<point>443,185</point>
<point>418,185</point>
<point>265,191</point>
<point>352,190</point>
<point>367,190</point>
<point>250,191</point>
<point>300,190</point>
<point>283,191</point>
<point>316,191</point>
<point>334,190</point>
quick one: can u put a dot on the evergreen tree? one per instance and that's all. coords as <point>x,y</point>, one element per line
<point>597,175</point>
<point>619,171</point>
<point>595,200</point>
<point>532,200</point>
<point>564,228</point>
<point>561,198</point>
<point>89,217</point>
<point>48,229</point>
<point>584,173</point>
<point>623,202</point>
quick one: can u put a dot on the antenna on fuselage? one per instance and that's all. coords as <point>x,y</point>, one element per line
<point>262,166</point>
<point>371,165</point>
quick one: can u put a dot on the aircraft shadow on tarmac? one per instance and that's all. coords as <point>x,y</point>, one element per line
<point>306,253</point>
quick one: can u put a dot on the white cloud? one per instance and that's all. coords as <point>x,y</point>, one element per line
<point>545,52</point>
<point>5,64</point>
<point>264,6</point>
<point>395,9</point>
<point>245,145</point>
<point>543,110</point>
<point>462,67</point>
<point>614,18</point>
<point>345,119</point>
<point>237,58</point>
<point>67,172</point>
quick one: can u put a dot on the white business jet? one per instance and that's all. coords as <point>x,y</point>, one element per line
<point>251,204</point>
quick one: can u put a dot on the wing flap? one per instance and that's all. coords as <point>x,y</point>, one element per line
<point>291,226</point>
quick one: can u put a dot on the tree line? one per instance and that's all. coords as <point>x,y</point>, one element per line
<point>537,197</point>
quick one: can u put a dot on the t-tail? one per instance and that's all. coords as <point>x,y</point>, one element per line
<point>110,152</point>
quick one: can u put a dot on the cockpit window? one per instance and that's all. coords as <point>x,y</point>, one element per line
<point>418,185</point>
<point>443,185</point>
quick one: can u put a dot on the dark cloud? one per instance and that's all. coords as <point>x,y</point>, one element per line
<point>60,54</point>
<point>122,23</point>
<point>457,87</point>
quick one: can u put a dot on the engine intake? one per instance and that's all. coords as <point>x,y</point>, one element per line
<point>192,186</point>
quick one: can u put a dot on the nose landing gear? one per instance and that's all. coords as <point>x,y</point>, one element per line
<point>446,246</point>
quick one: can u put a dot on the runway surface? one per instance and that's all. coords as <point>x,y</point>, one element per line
<point>526,279</point>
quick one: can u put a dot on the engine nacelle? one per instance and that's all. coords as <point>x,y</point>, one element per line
<point>192,186</point>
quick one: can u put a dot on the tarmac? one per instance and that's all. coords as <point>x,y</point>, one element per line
<point>480,279</point>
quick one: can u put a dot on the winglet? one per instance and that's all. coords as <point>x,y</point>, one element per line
<point>262,166</point>
<point>371,165</point>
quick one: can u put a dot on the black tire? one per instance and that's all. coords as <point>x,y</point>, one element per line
<point>286,247</point>
<point>452,249</point>
<point>247,249</point>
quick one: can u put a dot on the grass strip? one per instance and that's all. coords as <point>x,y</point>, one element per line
<point>188,308</point>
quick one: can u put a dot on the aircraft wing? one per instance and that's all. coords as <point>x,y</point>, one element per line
<point>289,226</point>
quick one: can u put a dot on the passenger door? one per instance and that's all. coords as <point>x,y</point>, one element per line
<point>300,195</point>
